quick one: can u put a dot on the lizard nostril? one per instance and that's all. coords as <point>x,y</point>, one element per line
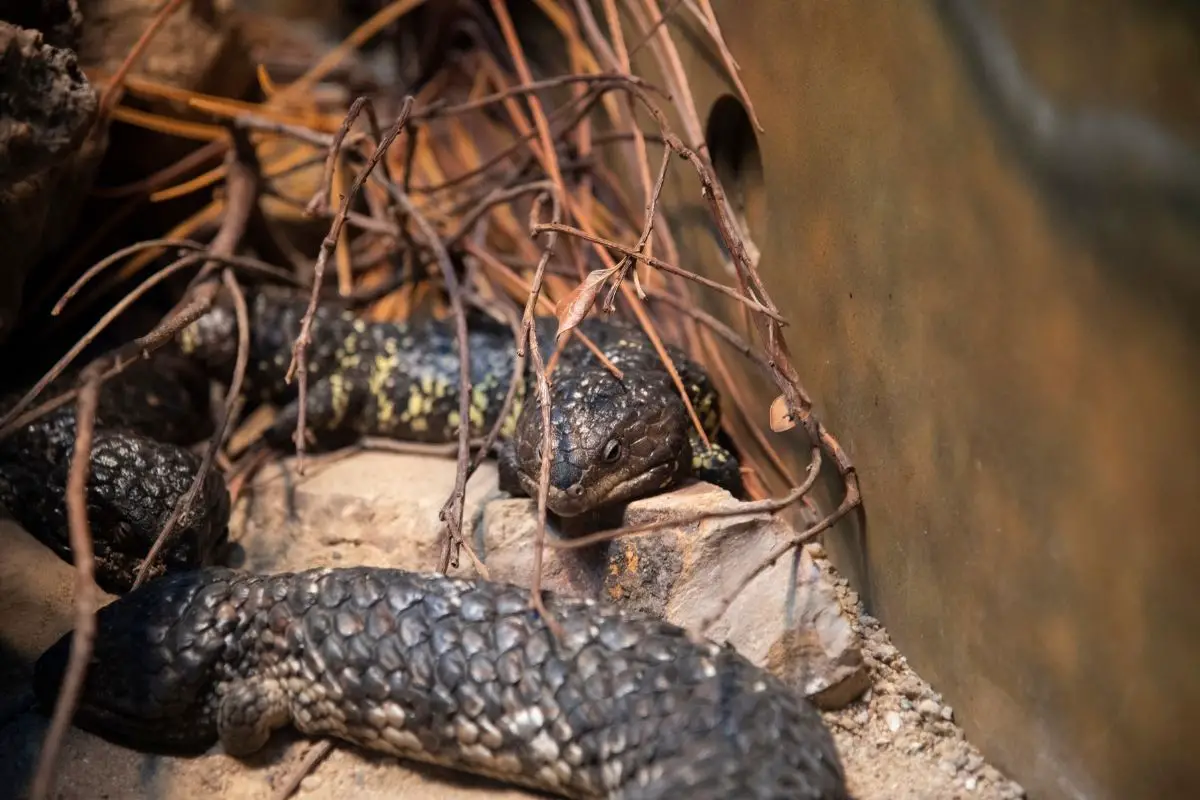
<point>575,490</point>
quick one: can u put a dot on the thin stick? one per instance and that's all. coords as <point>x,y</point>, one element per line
<point>492,263</point>
<point>437,110</point>
<point>218,438</point>
<point>529,340</point>
<point>299,365</point>
<point>799,540</point>
<point>312,757</point>
<point>114,90</point>
<point>242,262</point>
<point>452,512</point>
<point>6,426</point>
<point>319,204</point>
<point>769,506</point>
<point>85,585</point>
<point>658,263</point>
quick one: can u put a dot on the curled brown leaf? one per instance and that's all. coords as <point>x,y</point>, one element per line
<point>781,419</point>
<point>574,307</point>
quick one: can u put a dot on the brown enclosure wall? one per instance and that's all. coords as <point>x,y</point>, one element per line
<point>982,223</point>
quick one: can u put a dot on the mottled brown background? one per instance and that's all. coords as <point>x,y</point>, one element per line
<point>999,315</point>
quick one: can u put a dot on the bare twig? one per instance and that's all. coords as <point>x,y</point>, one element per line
<point>114,89</point>
<point>529,343</point>
<point>313,756</point>
<point>299,366</point>
<point>186,502</point>
<point>657,263</point>
<point>242,262</point>
<point>85,586</point>
<point>452,512</point>
<point>319,204</point>
<point>768,506</point>
<point>7,422</point>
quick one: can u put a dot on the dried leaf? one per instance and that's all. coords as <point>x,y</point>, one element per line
<point>781,420</point>
<point>574,307</point>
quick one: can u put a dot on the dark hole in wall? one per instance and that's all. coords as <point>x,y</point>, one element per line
<point>733,148</point>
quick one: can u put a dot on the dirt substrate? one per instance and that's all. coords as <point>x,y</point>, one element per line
<point>900,740</point>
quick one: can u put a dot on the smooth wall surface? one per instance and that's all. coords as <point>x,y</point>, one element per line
<point>981,220</point>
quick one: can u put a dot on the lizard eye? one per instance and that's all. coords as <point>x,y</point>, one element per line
<point>612,451</point>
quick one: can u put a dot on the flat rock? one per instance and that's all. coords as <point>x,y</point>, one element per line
<point>787,617</point>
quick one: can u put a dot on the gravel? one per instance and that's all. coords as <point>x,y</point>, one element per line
<point>899,740</point>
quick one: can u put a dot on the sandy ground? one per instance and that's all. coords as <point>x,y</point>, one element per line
<point>899,740</point>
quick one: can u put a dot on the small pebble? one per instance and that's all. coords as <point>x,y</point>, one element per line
<point>971,783</point>
<point>974,762</point>
<point>929,708</point>
<point>311,783</point>
<point>867,695</point>
<point>905,704</point>
<point>948,713</point>
<point>893,721</point>
<point>947,767</point>
<point>886,652</point>
<point>943,728</point>
<point>862,718</point>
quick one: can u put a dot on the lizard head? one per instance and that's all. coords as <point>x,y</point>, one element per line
<point>612,441</point>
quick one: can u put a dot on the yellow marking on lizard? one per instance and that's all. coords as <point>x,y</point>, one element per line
<point>510,424</point>
<point>415,401</point>
<point>340,398</point>
<point>381,371</point>
<point>187,340</point>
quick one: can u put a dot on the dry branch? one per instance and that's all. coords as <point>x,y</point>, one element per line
<point>86,591</point>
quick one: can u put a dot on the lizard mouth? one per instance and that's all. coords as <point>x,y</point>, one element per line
<point>604,492</point>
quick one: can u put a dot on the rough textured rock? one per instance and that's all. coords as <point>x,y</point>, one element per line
<point>46,104</point>
<point>371,509</point>
<point>821,652</point>
<point>47,108</point>
<point>59,21</point>
<point>787,617</point>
